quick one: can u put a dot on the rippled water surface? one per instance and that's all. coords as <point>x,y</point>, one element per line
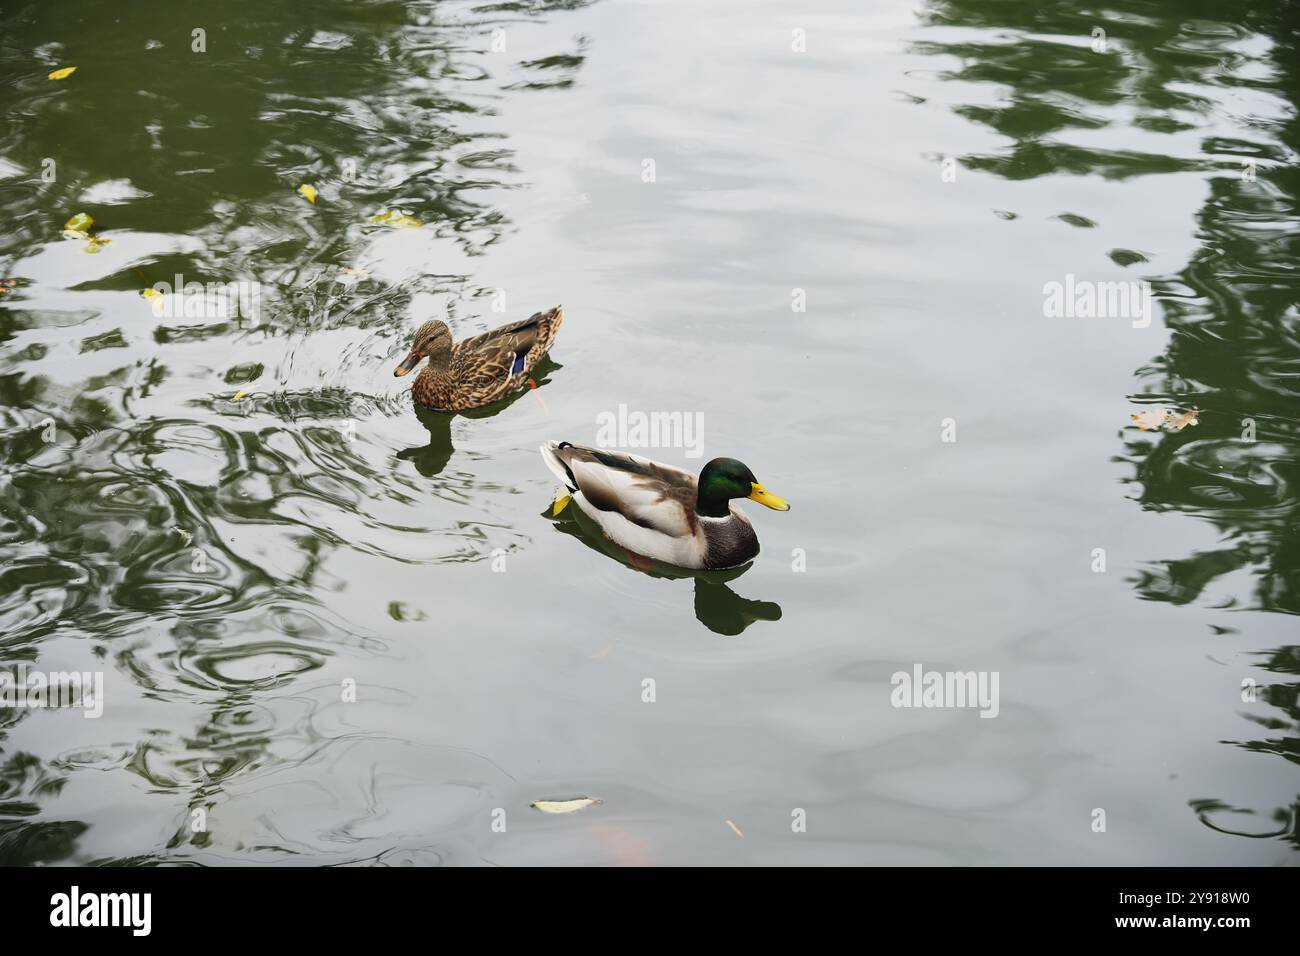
<point>241,522</point>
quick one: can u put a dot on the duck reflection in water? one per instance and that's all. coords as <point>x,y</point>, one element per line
<point>430,459</point>
<point>717,606</point>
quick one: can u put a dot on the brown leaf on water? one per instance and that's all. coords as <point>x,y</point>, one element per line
<point>1176,423</point>
<point>1158,416</point>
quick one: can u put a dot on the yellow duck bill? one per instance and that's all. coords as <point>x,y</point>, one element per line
<point>764,497</point>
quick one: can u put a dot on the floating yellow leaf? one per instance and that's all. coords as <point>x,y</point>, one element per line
<point>243,393</point>
<point>308,193</point>
<point>64,73</point>
<point>397,219</point>
<point>156,300</point>
<point>563,806</point>
<point>79,226</point>
<point>1176,423</point>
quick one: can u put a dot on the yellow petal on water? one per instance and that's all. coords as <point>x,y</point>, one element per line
<point>96,243</point>
<point>78,227</point>
<point>397,219</point>
<point>308,193</point>
<point>736,829</point>
<point>243,393</point>
<point>64,73</point>
<point>151,293</point>
<point>563,806</point>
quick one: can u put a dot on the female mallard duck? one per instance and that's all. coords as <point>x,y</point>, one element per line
<point>477,371</point>
<point>660,511</point>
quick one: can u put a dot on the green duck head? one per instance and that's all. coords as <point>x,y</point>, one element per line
<point>723,479</point>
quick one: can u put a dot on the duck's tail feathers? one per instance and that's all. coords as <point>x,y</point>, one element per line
<point>550,323</point>
<point>551,455</point>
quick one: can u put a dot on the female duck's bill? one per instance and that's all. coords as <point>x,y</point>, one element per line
<point>408,364</point>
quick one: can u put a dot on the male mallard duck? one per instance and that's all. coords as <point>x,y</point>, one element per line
<point>660,511</point>
<point>477,371</point>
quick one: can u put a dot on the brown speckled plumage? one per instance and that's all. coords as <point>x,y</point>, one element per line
<point>480,370</point>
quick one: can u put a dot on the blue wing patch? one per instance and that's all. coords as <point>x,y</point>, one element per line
<point>519,363</point>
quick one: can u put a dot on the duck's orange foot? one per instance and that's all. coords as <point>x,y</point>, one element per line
<point>532,387</point>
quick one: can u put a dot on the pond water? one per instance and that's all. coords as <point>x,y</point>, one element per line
<point>332,631</point>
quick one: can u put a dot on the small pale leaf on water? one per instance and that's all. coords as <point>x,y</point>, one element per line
<point>151,293</point>
<point>563,806</point>
<point>351,276</point>
<point>1153,419</point>
<point>64,73</point>
<point>1150,419</point>
<point>243,393</point>
<point>397,219</point>
<point>736,829</point>
<point>308,193</point>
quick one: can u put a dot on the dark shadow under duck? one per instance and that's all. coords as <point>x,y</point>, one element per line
<point>717,606</point>
<point>430,459</point>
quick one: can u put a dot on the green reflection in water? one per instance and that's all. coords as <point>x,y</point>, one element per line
<point>1234,309</point>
